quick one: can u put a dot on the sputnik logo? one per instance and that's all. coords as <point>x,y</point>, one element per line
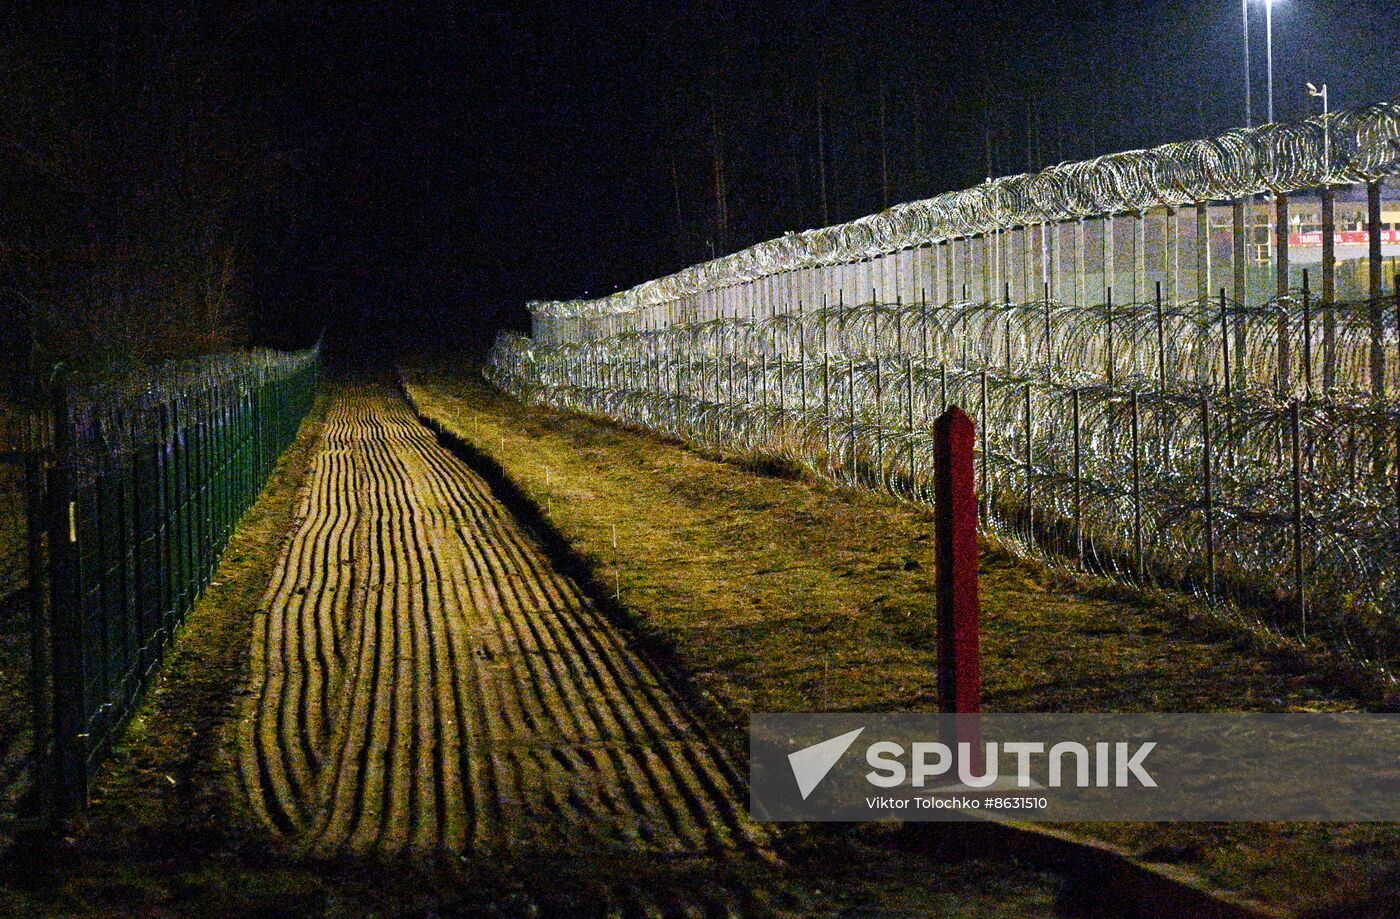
<point>811,764</point>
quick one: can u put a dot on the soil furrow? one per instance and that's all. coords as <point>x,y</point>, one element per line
<point>426,681</point>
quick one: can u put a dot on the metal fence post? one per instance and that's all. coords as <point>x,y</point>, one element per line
<point>1137,489</point>
<point>1225,342</point>
<point>763,394</point>
<point>1307,336</point>
<point>923,321</point>
<point>826,404</point>
<point>40,661</point>
<point>1049,341</point>
<point>1208,496</point>
<point>1285,366</point>
<point>1239,256</point>
<point>1375,293</point>
<point>909,417</point>
<point>1030,495</point>
<point>1075,479</point>
<point>69,729</point>
<point>782,376</point>
<point>851,406</point>
<point>729,400</point>
<point>1297,517</point>
<point>879,415</point>
<point>982,429</point>
<point>955,547</point>
<point>1161,342</point>
<point>676,396</point>
<point>1329,290</point>
<point>1108,349</point>
<point>802,351</point>
<point>169,593</point>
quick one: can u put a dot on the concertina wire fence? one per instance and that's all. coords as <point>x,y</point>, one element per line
<point>1227,429</point>
<point>147,482</point>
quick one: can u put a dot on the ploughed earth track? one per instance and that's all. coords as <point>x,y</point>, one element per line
<point>425,681</point>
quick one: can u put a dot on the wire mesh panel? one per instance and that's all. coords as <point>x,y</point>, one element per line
<point>22,650</point>
<point>147,484</point>
<point>24,430</point>
<point>13,529</point>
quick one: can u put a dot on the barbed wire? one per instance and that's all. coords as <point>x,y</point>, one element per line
<point>1122,446</point>
<point>1355,145</point>
<point>109,419</point>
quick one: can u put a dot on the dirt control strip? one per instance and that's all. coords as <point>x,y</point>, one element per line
<point>424,680</point>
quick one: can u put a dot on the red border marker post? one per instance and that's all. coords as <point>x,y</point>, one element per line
<point>955,555</point>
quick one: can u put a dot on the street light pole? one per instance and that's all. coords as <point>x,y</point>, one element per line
<point>1269,42</point>
<point>1248,105</point>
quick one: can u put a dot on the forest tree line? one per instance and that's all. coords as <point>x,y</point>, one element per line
<point>142,180</point>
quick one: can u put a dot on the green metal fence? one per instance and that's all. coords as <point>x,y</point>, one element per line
<point>145,489</point>
<point>21,476</point>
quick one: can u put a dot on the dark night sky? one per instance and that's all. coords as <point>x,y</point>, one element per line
<point>451,162</point>
<point>533,150</point>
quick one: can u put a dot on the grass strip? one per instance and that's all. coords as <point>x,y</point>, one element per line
<point>774,594</point>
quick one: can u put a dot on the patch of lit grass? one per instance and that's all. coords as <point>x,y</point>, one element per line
<point>772,593</point>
